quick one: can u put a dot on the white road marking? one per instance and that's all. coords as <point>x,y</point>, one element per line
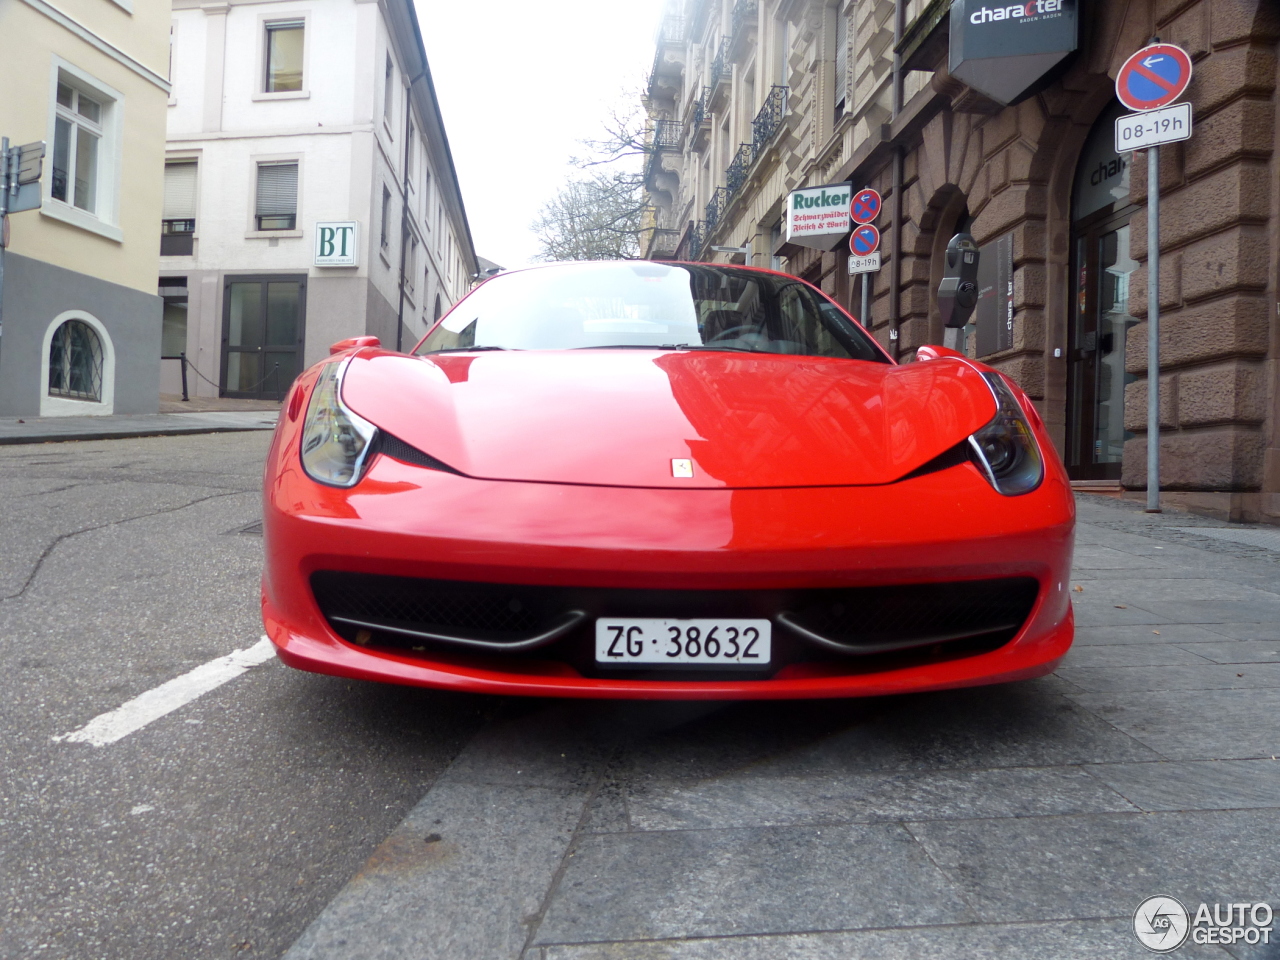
<point>154,704</point>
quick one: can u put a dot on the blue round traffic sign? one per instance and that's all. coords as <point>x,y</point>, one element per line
<point>864,241</point>
<point>865,206</point>
<point>1153,77</point>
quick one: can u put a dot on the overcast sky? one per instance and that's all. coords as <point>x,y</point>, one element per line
<point>520,82</point>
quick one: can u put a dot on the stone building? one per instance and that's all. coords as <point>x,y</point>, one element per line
<point>310,192</point>
<point>751,100</point>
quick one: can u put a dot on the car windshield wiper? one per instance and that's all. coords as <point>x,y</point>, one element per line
<point>465,350</point>
<point>718,346</point>
<point>630,346</point>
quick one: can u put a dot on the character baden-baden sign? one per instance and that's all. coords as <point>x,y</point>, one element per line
<point>1002,49</point>
<point>818,217</point>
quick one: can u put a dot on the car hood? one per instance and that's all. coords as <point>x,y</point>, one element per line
<point>620,417</point>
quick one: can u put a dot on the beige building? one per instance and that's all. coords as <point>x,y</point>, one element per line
<point>81,318</point>
<point>752,99</point>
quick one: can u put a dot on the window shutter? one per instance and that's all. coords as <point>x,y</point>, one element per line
<point>842,55</point>
<point>277,189</point>
<point>179,191</point>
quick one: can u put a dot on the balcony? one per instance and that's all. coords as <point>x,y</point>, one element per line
<point>698,122</point>
<point>666,135</point>
<point>671,31</point>
<point>690,246</point>
<point>665,138</point>
<point>715,207</point>
<point>769,120</point>
<point>668,61</point>
<point>721,65</point>
<point>736,175</point>
<point>742,21</point>
<point>663,243</point>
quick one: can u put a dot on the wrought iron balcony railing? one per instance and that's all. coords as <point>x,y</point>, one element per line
<point>722,65</point>
<point>697,237</point>
<point>698,112</point>
<point>666,135</point>
<point>769,119</point>
<point>736,175</point>
<point>715,207</point>
<point>672,30</point>
<point>743,15</point>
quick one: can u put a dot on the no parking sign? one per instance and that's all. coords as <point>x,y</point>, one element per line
<point>1153,77</point>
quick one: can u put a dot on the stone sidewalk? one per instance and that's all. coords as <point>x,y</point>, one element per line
<point>60,429</point>
<point>1021,821</point>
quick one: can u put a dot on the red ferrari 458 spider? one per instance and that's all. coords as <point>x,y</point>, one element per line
<point>663,480</point>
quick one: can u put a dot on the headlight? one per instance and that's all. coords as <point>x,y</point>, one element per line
<point>335,441</point>
<point>1006,449</point>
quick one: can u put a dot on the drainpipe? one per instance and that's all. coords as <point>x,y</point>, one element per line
<point>405,232</point>
<point>895,264</point>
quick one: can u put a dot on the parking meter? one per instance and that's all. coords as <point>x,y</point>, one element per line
<point>958,292</point>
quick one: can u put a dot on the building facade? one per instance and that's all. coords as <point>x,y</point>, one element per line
<point>79,316</point>
<point>310,193</point>
<point>752,100</point>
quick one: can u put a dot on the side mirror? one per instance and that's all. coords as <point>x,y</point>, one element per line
<point>958,292</point>
<point>354,343</point>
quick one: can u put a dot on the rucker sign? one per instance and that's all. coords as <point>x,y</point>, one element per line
<point>1001,50</point>
<point>818,217</point>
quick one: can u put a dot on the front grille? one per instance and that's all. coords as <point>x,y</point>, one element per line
<point>877,619</point>
<point>486,611</point>
<point>866,624</point>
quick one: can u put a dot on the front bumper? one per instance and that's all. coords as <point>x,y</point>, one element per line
<point>412,522</point>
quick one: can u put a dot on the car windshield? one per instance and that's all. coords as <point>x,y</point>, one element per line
<point>653,305</point>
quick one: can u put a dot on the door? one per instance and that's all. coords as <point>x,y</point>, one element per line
<point>262,325</point>
<point>1102,267</point>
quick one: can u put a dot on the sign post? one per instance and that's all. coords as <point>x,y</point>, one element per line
<point>865,207</point>
<point>20,170</point>
<point>1151,80</point>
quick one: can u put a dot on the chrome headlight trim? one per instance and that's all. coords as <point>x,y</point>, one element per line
<point>1006,449</point>
<point>336,441</point>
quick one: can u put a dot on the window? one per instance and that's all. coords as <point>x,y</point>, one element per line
<point>178,216</point>
<point>75,362</point>
<point>408,152</point>
<point>386,218</point>
<point>388,91</point>
<point>438,310</point>
<point>77,144</point>
<point>284,48</point>
<point>426,194</point>
<point>277,203</point>
<point>411,263</point>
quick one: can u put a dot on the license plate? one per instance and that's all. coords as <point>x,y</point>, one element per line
<point>703,641</point>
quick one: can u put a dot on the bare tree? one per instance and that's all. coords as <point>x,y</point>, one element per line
<point>598,214</point>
